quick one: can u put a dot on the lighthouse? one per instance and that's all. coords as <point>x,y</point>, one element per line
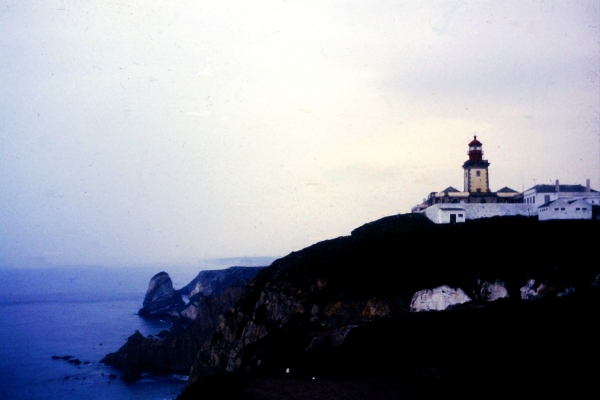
<point>476,169</point>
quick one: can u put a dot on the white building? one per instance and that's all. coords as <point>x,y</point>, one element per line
<point>446,214</point>
<point>565,209</point>
<point>542,194</point>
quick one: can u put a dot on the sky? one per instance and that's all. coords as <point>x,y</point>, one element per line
<point>138,132</point>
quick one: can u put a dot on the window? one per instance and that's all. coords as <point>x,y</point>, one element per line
<point>584,209</point>
<point>478,190</point>
<point>578,209</point>
<point>460,215</point>
<point>534,200</point>
<point>562,209</point>
<point>556,209</point>
<point>547,198</point>
<point>478,173</point>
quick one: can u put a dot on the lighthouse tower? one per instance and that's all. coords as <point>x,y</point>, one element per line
<point>476,169</point>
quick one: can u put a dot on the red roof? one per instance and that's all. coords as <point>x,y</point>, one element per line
<point>475,142</point>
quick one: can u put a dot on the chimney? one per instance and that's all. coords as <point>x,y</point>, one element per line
<point>587,186</point>
<point>557,186</point>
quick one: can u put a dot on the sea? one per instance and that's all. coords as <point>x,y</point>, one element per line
<point>83,312</point>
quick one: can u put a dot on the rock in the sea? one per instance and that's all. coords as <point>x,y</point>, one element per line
<point>161,299</point>
<point>438,299</point>
<point>62,357</point>
<point>493,291</point>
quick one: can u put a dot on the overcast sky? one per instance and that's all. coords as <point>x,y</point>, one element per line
<point>135,132</point>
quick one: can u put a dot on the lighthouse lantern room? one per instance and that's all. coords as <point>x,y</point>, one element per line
<point>476,169</point>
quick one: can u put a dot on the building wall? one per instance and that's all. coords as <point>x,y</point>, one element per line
<point>474,211</point>
<point>432,213</point>
<point>444,216</point>
<point>532,197</point>
<point>580,209</point>
<point>538,198</point>
<point>438,215</point>
<point>594,201</point>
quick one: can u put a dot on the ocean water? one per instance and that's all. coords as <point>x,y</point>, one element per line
<point>83,312</point>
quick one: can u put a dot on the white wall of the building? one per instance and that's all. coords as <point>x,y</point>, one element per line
<point>439,215</point>
<point>594,200</point>
<point>474,211</point>
<point>560,209</point>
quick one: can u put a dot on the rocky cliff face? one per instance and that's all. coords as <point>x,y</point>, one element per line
<point>313,299</point>
<point>174,351</point>
<point>171,352</point>
<point>494,291</point>
<point>437,299</point>
<point>213,282</point>
<point>161,299</point>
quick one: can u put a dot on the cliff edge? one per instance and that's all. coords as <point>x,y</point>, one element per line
<point>319,310</point>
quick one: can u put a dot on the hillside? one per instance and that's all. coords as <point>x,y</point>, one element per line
<point>340,309</point>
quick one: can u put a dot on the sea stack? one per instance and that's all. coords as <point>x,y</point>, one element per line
<point>161,299</point>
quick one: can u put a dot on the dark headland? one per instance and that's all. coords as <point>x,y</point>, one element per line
<point>339,320</point>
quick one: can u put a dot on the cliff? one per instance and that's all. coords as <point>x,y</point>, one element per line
<point>161,300</point>
<point>213,282</point>
<point>213,292</point>
<point>319,310</point>
<point>175,350</point>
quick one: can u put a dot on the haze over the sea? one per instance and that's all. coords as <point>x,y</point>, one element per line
<point>138,132</point>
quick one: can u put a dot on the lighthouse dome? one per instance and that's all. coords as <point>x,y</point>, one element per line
<point>475,142</point>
